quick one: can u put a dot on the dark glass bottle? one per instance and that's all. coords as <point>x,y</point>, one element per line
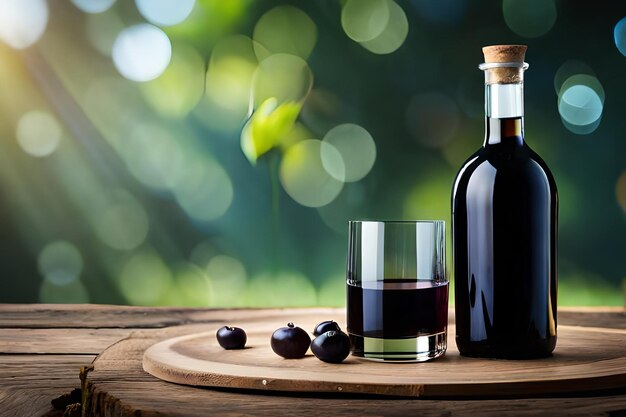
<point>504,226</point>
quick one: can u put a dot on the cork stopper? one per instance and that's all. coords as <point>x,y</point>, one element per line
<point>510,54</point>
<point>504,53</point>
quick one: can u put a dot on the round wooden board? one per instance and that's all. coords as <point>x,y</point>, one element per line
<point>586,359</point>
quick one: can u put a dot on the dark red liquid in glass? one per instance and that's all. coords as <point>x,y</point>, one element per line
<point>396,309</point>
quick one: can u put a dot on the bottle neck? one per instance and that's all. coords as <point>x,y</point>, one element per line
<point>504,109</point>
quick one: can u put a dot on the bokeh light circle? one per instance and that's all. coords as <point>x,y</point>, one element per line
<point>228,277</point>
<point>394,34</point>
<point>93,6</point>
<point>285,29</point>
<point>228,83</point>
<point>364,20</point>
<point>60,262</point>
<point>165,12</point>
<point>239,46</point>
<point>282,76</point>
<point>432,118</point>
<point>181,86</point>
<point>570,68</point>
<point>333,162</point>
<point>142,52</point>
<point>230,73</point>
<point>620,191</point>
<point>123,225</point>
<point>204,189</point>
<point>583,79</point>
<point>194,286</point>
<point>227,268</point>
<point>145,279</point>
<point>202,253</point>
<point>619,34</point>
<point>38,133</point>
<point>356,147</point>
<point>22,22</point>
<point>581,103</point>
<point>581,129</point>
<point>530,18</point>
<point>304,177</point>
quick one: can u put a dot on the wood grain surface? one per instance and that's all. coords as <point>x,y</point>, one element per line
<point>119,387</point>
<point>29,382</point>
<point>585,359</point>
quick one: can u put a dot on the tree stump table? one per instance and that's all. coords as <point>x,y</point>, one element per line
<point>42,348</point>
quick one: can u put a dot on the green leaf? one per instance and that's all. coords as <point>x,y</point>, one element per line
<point>267,127</point>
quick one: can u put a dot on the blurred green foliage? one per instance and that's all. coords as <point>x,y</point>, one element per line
<point>267,127</point>
<point>227,175</point>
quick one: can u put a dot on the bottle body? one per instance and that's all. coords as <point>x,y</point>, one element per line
<point>504,225</point>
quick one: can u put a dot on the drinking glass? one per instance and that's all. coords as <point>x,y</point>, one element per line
<point>397,290</point>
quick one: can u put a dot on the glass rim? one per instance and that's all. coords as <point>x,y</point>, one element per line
<point>397,221</point>
<point>490,65</point>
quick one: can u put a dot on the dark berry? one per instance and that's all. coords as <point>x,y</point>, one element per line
<point>332,346</point>
<point>231,337</point>
<point>326,326</point>
<point>290,342</point>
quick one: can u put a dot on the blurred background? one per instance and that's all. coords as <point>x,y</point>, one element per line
<point>210,152</point>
